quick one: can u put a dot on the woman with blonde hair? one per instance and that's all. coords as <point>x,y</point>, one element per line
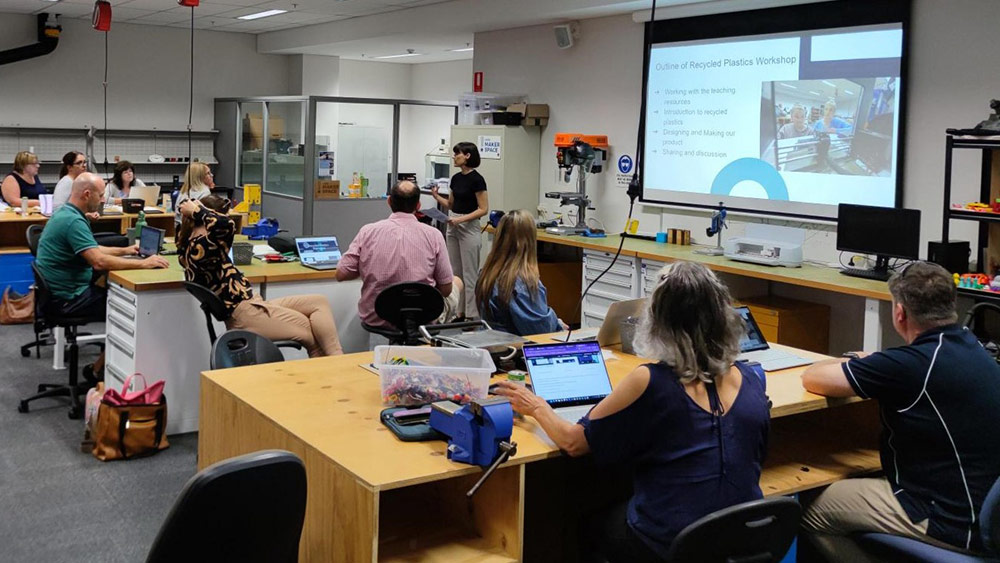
<point>23,181</point>
<point>509,295</point>
<point>198,183</point>
<point>692,426</point>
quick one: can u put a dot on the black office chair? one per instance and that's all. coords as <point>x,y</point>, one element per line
<point>73,389</point>
<point>406,306</point>
<point>249,509</point>
<point>237,348</point>
<point>759,531</point>
<point>213,307</point>
<point>42,335</point>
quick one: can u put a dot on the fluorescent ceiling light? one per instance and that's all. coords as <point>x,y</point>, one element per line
<point>398,56</point>
<point>259,15</point>
<point>462,50</point>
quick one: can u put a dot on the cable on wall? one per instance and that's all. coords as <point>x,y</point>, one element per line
<point>191,90</point>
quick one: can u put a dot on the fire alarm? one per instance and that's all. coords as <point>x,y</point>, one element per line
<point>102,15</point>
<point>188,3</point>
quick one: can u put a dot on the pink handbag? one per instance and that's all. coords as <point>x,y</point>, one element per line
<point>148,395</point>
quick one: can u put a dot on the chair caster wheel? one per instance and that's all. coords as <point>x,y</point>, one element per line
<point>41,387</point>
<point>75,413</point>
<point>23,407</point>
<point>25,353</point>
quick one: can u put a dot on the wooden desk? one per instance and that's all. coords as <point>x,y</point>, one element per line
<point>374,498</point>
<point>811,276</point>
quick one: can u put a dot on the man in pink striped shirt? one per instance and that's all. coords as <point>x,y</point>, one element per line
<point>396,250</point>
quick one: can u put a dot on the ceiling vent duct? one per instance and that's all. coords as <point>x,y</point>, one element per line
<point>48,38</point>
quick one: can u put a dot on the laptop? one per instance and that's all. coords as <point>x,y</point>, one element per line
<point>571,376</point>
<point>609,333</point>
<point>150,240</point>
<point>754,348</point>
<point>318,253</point>
<point>150,195</point>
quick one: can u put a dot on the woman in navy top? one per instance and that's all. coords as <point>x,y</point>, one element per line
<point>693,426</point>
<point>509,295</point>
<point>23,182</point>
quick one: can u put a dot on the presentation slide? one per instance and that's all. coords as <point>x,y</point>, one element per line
<point>787,123</point>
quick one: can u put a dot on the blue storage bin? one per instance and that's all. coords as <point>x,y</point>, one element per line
<point>15,272</point>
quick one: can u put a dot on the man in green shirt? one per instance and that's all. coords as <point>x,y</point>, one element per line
<point>68,254</point>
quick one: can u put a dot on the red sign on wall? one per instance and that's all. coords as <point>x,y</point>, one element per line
<point>477,82</point>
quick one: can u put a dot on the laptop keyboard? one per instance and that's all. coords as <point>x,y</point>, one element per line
<point>573,414</point>
<point>774,360</point>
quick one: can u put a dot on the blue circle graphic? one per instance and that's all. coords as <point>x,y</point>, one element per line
<point>755,170</point>
<point>625,164</point>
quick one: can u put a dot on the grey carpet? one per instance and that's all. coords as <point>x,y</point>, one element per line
<point>58,504</point>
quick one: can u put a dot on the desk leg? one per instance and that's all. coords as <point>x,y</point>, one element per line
<point>873,326</point>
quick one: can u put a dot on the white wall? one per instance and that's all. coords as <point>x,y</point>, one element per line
<point>148,76</point>
<point>441,81</point>
<point>595,88</point>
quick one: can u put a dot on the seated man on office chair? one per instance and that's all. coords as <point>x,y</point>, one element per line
<point>396,250</point>
<point>68,254</point>
<point>939,397</point>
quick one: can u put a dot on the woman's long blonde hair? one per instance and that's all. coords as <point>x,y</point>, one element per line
<point>194,177</point>
<point>690,323</point>
<point>514,256</point>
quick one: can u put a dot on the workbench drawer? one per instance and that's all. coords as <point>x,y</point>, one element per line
<point>650,276</point>
<point>120,328</point>
<point>591,320</point>
<point>120,354</point>
<point>599,302</point>
<point>610,283</point>
<point>620,280</point>
<point>123,303</point>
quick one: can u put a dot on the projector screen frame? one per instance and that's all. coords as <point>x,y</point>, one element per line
<point>767,21</point>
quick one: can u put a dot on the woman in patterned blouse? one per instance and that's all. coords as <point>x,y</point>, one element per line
<point>203,243</point>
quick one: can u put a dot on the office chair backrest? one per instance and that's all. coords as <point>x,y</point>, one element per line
<point>43,295</point>
<point>758,531</point>
<point>237,348</point>
<point>33,235</point>
<point>983,320</point>
<point>211,304</point>
<point>248,509</point>
<point>989,519</point>
<point>408,305</point>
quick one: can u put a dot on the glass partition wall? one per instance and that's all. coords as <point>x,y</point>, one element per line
<point>296,146</point>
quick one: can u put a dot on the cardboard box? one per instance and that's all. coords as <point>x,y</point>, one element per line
<point>535,115</point>
<point>253,126</point>
<point>327,189</point>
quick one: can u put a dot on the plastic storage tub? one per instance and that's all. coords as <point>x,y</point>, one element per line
<point>432,374</point>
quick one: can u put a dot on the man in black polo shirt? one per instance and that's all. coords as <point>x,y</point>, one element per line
<point>939,400</point>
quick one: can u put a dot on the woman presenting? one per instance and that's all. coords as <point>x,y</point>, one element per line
<point>467,202</point>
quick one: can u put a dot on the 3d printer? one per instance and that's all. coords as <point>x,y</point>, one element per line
<point>587,153</point>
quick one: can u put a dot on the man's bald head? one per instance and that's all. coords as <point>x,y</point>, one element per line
<point>87,191</point>
<point>404,197</point>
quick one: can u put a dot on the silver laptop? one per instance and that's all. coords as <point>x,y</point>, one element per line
<point>150,195</point>
<point>150,240</point>
<point>570,376</point>
<point>318,253</point>
<point>754,348</point>
<point>609,332</point>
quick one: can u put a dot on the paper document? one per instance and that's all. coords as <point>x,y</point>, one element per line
<point>435,214</point>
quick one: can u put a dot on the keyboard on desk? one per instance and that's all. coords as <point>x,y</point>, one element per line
<point>866,273</point>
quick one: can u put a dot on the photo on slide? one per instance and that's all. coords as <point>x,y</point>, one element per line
<point>834,126</point>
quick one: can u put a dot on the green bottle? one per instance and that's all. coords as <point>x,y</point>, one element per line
<point>139,224</point>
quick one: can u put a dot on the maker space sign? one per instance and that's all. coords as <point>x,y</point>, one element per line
<point>489,147</point>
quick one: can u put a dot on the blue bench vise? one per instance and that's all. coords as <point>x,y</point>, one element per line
<point>478,433</point>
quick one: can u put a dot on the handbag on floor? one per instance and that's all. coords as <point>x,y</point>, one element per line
<point>17,309</point>
<point>131,423</point>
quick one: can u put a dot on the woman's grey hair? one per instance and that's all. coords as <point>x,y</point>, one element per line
<point>690,323</point>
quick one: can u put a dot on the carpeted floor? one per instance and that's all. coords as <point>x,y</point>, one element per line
<point>58,504</point>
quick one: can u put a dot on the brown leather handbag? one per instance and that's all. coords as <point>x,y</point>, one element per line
<point>129,426</point>
<point>17,309</point>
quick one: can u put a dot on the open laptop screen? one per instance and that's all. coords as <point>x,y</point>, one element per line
<point>149,240</point>
<point>313,250</point>
<point>568,374</point>
<point>752,339</point>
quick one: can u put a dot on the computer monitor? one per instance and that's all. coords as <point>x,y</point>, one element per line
<point>886,232</point>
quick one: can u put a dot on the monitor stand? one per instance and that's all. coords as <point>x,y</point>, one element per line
<point>879,272</point>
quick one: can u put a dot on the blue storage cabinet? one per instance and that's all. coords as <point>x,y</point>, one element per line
<point>15,272</point>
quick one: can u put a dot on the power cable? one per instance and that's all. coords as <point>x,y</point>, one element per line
<point>191,91</point>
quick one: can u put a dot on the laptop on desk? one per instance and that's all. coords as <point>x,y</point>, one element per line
<point>150,196</point>
<point>571,377</point>
<point>318,253</point>
<point>754,348</point>
<point>609,332</point>
<point>150,240</point>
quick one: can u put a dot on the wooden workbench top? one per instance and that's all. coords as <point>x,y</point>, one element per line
<point>333,405</point>
<point>828,279</point>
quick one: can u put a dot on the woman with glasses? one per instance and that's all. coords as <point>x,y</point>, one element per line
<point>691,425</point>
<point>121,183</point>
<point>203,243</point>
<point>74,163</point>
<point>198,183</point>
<point>23,181</point>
